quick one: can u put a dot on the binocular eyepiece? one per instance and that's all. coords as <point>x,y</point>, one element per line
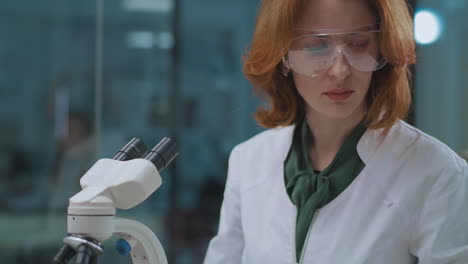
<point>161,155</point>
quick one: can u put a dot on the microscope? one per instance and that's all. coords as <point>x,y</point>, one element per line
<point>122,182</point>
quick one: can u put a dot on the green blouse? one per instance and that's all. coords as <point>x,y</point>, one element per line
<point>309,189</point>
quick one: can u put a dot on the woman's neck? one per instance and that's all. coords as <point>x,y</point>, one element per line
<point>328,134</point>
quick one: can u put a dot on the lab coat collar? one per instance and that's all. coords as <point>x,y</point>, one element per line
<point>369,144</point>
<point>366,147</point>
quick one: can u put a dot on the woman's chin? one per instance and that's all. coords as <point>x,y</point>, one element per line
<point>342,113</point>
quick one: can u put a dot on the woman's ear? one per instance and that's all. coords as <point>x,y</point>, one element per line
<point>285,67</point>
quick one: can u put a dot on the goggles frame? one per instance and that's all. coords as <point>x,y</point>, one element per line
<point>373,28</point>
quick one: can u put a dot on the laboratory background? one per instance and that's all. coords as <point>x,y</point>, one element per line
<point>79,79</point>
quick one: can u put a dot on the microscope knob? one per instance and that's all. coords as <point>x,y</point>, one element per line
<point>123,247</point>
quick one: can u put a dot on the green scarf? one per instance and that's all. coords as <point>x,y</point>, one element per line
<point>309,189</point>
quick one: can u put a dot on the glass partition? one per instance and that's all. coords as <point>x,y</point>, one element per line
<point>46,120</point>
<point>81,78</point>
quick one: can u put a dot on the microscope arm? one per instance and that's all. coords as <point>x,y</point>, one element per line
<point>146,248</point>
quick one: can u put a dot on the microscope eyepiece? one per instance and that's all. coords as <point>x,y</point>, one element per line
<point>135,148</point>
<point>163,153</point>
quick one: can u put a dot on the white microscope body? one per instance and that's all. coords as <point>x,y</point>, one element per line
<point>112,184</point>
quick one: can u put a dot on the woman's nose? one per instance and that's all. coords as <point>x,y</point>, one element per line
<point>340,68</point>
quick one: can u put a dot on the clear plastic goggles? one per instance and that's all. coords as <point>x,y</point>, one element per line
<point>313,54</point>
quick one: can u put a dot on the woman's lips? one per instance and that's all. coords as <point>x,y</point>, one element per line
<point>339,95</point>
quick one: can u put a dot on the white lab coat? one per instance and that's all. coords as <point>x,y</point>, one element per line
<point>408,205</point>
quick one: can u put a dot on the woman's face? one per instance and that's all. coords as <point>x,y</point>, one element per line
<point>340,91</point>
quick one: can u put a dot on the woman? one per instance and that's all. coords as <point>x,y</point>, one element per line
<point>339,177</point>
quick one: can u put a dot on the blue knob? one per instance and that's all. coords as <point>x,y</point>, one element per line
<point>123,247</point>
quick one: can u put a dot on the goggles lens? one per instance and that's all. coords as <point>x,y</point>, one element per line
<point>313,54</point>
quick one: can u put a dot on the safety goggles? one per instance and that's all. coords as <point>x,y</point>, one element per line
<point>313,54</point>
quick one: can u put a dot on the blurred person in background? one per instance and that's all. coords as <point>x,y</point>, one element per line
<point>75,154</point>
<point>339,177</point>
